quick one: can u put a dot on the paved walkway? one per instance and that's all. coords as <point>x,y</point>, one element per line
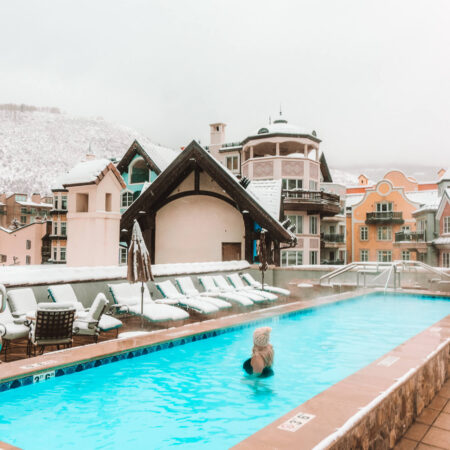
<point>431,429</point>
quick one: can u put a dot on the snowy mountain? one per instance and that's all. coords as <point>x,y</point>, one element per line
<point>37,145</point>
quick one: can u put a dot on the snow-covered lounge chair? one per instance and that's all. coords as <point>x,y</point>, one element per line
<point>211,288</point>
<point>223,284</point>
<point>237,283</point>
<point>127,297</point>
<point>10,327</point>
<point>86,322</point>
<point>199,304</point>
<point>22,302</point>
<point>187,288</point>
<point>64,293</point>
<point>248,278</point>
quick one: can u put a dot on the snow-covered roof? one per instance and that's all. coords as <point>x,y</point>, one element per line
<point>353,199</point>
<point>268,194</point>
<point>37,205</point>
<point>162,156</point>
<point>446,176</point>
<point>281,126</point>
<point>428,200</point>
<point>85,172</point>
<point>441,241</point>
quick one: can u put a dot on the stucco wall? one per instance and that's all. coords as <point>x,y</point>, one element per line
<point>192,229</point>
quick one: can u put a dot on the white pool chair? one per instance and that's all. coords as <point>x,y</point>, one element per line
<point>211,288</point>
<point>127,297</point>
<point>248,278</point>
<point>187,288</point>
<point>237,282</point>
<point>64,293</point>
<point>223,284</point>
<point>199,304</point>
<point>87,322</point>
<point>22,302</point>
<point>11,328</point>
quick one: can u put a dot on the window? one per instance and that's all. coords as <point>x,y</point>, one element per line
<point>64,202</point>
<point>82,201</point>
<point>20,198</point>
<point>298,222</point>
<point>23,210</point>
<point>232,163</point>
<point>63,228</point>
<point>312,225</point>
<point>55,253</point>
<point>28,259</point>
<point>364,255</point>
<point>421,225</point>
<point>62,253</point>
<point>127,199</point>
<point>139,172</point>
<point>384,256</point>
<point>313,185</point>
<point>108,202</point>
<point>384,207</point>
<point>447,225</point>
<point>55,228</point>
<point>405,255</point>
<point>291,258</point>
<point>445,259</point>
<point>28,244</point>
<point>384,233</point>
<point>3,258</point>
<point>23,219</point>
<point>288,184</point>
<point>363,233</point>
<point>123,253</point>
<point>313,256</point>
<point>406,229</point>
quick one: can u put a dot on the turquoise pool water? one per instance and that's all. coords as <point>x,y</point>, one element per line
<point>197,396</point>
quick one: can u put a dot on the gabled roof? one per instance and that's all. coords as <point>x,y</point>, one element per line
<point>443,201</point>
<point>90,172</point>
<point>136,149</point>
<point>324,169</point>
<point>193,157</point>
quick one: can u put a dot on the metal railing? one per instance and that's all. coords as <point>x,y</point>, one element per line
<point>384,216</point>
<point>332,237</point>
<point>311,196</point>
<point>409,236</point>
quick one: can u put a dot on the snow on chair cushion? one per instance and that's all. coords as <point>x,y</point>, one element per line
<point>22,301</point>
<point>208,283</point>
<point>167,289</point>
<point>187,286</point>
<point>236,281</point>
<point>64,293</point>
<point>129,293</point>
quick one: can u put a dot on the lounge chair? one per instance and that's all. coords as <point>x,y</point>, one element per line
<point>237,282</point>
<point>187,288</point>
<point>87,322</point>
<point>128,299</point>
<point>11,328</point>
<point>199,304</point>
<point>53,325</point>
<point>248,278</point>
<point>22,302</point>
<point>64,293</point>
<point>211,288</point>
<point>223,284</point>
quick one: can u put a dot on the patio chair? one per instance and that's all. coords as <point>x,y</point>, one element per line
<point>22,302</point>
<point>186,286</point>
<point>248,278</point>
<point>127,298</point>
<point>53,325</point>
<point>64,293</point>
<point>223,284</point>
<point>87,322</point>
<point>11,328</point>
<point>198,304</point>
<point>211,288</point>
<point>237,282</point>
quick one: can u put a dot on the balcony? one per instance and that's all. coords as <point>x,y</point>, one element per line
<point>332,240</point>
<point>315,202</point>
<point>415,236</point>
<point>384,217</point>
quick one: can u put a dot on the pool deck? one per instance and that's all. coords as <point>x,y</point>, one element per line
<point>347,398</point>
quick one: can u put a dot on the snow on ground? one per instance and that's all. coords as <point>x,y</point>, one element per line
<point>49,273</point>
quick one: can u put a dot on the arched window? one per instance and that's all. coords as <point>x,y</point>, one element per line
<point>127,199</point>
<point>139,172</point>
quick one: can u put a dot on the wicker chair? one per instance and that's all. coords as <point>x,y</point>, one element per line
<point>53,325</point>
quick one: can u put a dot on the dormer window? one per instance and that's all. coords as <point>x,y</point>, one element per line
<point>139,172</point>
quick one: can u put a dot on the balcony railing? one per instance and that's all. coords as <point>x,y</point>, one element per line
<point>384,217</point>
<point>314,196</point>
<point>315,202</point>
<point>412,236</point>
<point>333,237</point>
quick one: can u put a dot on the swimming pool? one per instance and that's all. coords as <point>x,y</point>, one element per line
<point>196,395</point>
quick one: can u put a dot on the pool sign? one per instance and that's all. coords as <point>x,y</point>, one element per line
<point>38,378</point>
<point>296,422</point>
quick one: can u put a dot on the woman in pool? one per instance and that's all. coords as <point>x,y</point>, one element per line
<point>262,354</point>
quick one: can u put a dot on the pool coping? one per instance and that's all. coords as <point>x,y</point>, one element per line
<point>20,373</point>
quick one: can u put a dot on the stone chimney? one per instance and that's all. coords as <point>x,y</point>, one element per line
<point>36,198</point>
<point>217,133</point>
<point>363,180</point>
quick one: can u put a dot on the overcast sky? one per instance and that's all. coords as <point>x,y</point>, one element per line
<point>372,77</point>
